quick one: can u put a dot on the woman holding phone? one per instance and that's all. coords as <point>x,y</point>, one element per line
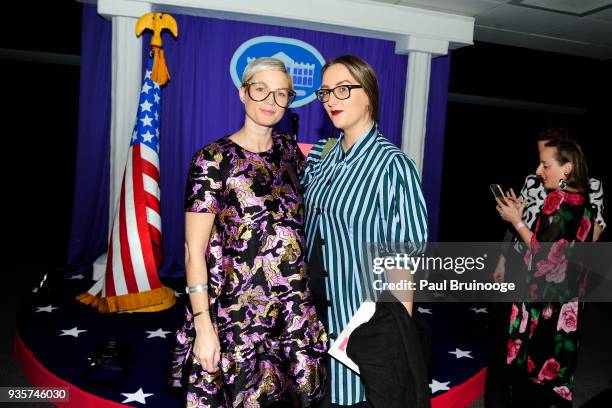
<point>544,334</point>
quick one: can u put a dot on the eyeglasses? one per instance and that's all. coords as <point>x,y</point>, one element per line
<point>259,91</point>
<point>340,92</point>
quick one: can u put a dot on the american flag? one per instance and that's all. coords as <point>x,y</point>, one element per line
<point>134,253</point>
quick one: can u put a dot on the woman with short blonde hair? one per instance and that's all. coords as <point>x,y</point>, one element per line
<point>251,336</point>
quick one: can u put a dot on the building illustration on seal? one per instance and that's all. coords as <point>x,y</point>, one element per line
<point>301,73</point>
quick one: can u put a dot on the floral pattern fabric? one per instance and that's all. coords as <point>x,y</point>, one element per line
<point>272,344</point>
<point>544,333</point>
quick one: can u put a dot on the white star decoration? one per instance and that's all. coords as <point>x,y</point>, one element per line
<point>479,309</point>
<point>148,136</point>
<point>148,74</point>
<point>138,396</point>
<point>460,353</point>
<point>74,332</point>
<point>146,106</point>
<point>436,386</point>
<point>423,310</point>
<point>79,276</point>
<point>177,294</point>
<point>156,97</point>
<point>47,309</point>
<point>157,333</point>
<point>146,121</point>
<point>146,88</point>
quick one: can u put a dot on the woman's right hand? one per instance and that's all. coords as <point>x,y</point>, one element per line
<point>517,202</point>
<point>206,348</point>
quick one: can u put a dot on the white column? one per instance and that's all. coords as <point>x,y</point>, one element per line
<point>125,93</point>
<point>420,52</point>
<point>415,106</point>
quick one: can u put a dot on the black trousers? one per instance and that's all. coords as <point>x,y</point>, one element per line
<point>317,277</point>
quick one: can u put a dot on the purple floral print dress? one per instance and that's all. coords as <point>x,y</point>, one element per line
<point>544,335</point>
<point>273,346</point>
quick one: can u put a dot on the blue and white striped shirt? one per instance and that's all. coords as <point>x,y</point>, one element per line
<point>370,194</point>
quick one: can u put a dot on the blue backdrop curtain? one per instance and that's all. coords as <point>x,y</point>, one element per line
<point>201,104</point>
<point>88,238</point>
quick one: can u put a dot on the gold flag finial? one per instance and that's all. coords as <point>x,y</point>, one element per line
<point>157,22</point>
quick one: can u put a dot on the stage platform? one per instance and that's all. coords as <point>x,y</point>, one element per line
<point>56,340</point>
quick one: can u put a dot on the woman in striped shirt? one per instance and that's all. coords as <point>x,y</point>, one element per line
<point>359,189</point>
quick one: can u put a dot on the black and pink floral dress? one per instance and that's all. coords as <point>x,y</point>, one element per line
<point>544,334</point>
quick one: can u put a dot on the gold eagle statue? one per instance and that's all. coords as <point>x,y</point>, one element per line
<point>157,22</point>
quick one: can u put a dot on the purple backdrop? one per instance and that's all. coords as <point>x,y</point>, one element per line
<point>88,236</point>
<point>201,104</point>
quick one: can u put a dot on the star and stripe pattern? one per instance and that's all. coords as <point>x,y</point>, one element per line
<point>63,335</point>
<point>135,247</point>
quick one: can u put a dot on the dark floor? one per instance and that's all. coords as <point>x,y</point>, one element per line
<point>16,284</point>
<point>593,374</point>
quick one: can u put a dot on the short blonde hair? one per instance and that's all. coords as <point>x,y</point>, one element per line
<point>265,64</point>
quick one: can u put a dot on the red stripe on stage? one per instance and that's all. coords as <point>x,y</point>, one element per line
<point>140,208</point>
<point>150,170</point>
<point>126,257</point>
<point>463,394</point>
<point>39,376</point>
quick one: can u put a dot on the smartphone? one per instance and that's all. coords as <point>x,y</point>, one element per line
<point>497,192</point>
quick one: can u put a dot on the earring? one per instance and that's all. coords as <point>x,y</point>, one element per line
<point>562,184</point>
<point>563,181</point>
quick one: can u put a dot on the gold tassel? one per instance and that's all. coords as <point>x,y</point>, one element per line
<point>152,300</point>
<point>160,72</point>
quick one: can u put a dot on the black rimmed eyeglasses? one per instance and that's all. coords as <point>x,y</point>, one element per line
<point>259,91</point>
<point>340,92</point>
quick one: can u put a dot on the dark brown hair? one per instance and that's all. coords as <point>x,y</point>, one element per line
<point>554,133</point>
<point>569,151</point>
<point>364,75</point>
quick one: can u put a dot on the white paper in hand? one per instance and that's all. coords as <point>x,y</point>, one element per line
<point>338,349</point>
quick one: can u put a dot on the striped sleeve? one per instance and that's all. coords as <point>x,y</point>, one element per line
<point>404,211</point>
<point>312,162</point>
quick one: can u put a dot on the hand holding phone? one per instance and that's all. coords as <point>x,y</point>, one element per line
<point>498,193</point>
